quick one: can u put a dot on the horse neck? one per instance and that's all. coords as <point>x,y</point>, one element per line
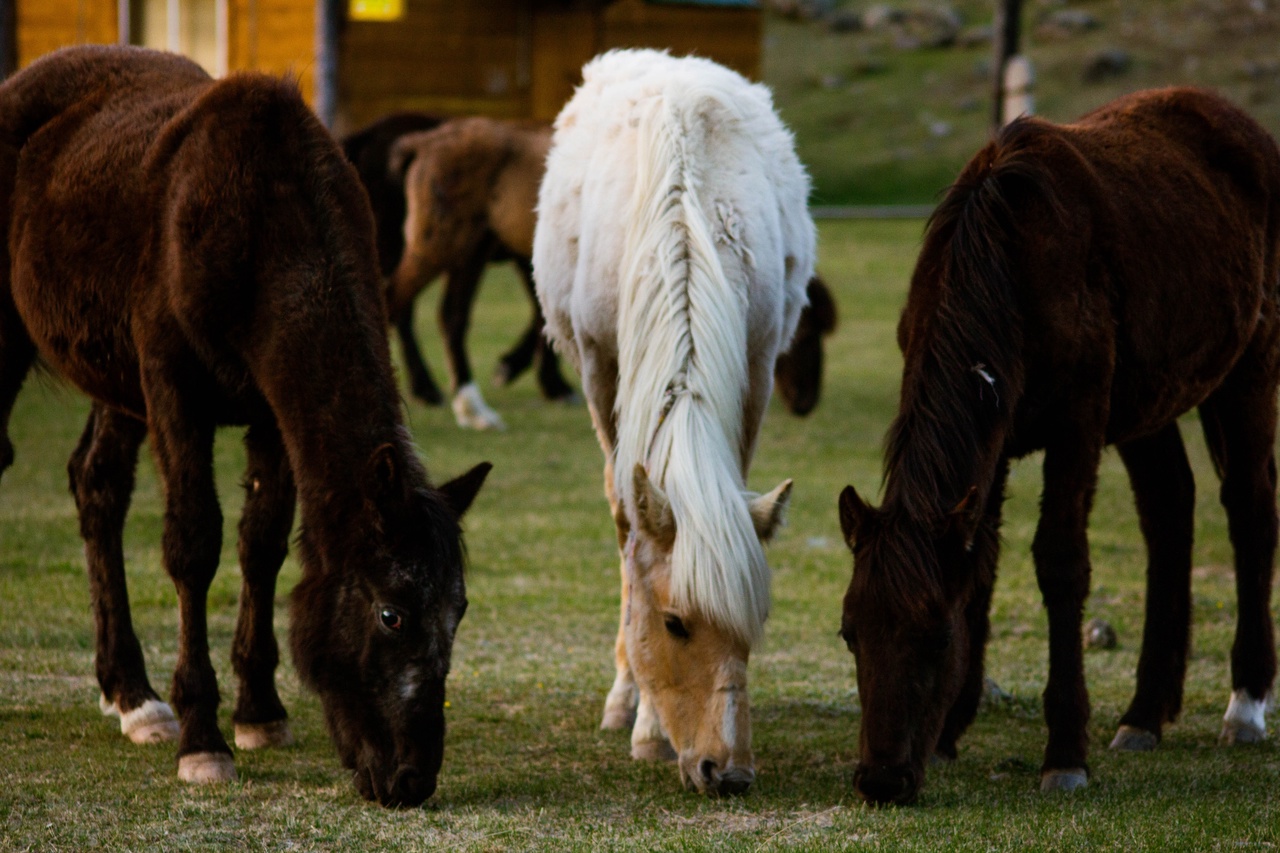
<point>683,380</point>
<point>963,376</point>
<point>333,395</point>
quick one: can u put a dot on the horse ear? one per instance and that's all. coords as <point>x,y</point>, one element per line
<point>854,514</point>
<point>461,491</point>
<point>384,478</point>
<point>768,512</point>
<point>653,510</point>
<point>966,515</point>
<point>400,157</point>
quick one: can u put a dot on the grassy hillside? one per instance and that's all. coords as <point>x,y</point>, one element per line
<point>880,124</point>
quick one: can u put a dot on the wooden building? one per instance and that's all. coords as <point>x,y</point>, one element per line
<point>364,58</point>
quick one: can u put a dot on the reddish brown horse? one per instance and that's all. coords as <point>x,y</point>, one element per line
<point>193,253</point>
<point>465,165</point>
<point>1080,285</point>
<point>462,192</point>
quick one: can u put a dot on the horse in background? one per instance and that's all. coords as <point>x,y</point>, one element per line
<point>1080,285</point>
<point>468,193</point>
<point>192,253</point>
<point>468,162</point>
<point>671,255</point>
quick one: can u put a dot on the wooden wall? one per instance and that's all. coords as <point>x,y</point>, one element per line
<point>443,57</point>
<point>517,58</point>
<point>509,58</point>
<point>44,26</point>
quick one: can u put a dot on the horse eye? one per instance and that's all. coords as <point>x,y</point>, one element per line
<point>675,627</point>
<point>391,620</point>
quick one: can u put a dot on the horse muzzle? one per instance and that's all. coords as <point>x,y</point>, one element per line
<point>707,777</point>
<point>887,784</point>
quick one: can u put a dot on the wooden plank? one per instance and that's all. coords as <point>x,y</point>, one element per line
<point>43,27</point>
<point>732,37</point>
<point>564,39</point>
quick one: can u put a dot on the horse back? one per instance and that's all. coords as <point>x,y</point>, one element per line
<point>160,212</point>
<point>1141,245</point>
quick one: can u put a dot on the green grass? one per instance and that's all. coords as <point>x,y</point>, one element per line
<point>864,112</point>
<point>526,766</point>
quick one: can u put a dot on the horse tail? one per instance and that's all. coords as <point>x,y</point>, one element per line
<point>682,364</point>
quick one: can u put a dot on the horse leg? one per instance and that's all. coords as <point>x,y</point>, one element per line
<point>420,381</point>
<point>1239,425</point>
<point>533,344</point>
<point>518,359</point>
<point>985,552</point>
<point>1164,490</point>
<point>469,407</point>
<point>1061,552</point>
<point>260,718</point>
<point>182,442</point>
<point>101,474</point>
<point>17,353</point>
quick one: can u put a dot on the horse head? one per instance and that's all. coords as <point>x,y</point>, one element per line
<point>686,659</point>
<point>373,629</point>
<point>905,622</point>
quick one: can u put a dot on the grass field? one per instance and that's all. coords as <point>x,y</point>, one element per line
<point>526,766</point>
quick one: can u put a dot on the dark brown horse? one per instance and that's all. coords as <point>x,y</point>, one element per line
<point>456,191</point>
<point>1080,285</point>
<point>193,253</point>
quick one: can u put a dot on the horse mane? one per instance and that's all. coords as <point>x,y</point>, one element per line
<point>682,356</point>
<point>961,332</point>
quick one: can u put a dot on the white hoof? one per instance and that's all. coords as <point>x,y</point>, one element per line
<point>1134,739</point>
<point>472,412</point>
<point>653,750</point>
<point>151,722</point>
<point>260,735</point>
<point>1245,720</point>
<point>1063,780</point>
<point>201,767</point>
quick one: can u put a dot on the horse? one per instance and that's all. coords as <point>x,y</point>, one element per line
<point>470,162</point>
<point>1080,285</point>
<point>671,254</point>
<point>469,183</point>
<point>191,254</point>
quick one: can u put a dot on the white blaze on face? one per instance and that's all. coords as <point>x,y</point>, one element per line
<point>409,683</point>
<point>729,723</point>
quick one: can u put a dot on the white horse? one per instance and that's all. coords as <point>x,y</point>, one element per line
<point>671,254</point>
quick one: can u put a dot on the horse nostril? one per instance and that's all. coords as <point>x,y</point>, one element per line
<point>409,788</point>
<point>885,784</point>
<point>708,770</point>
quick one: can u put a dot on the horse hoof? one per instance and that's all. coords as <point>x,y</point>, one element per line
<point>472,412</point>
<point>618,719</point>
<point>1234,733</point>
<point>653,750</point>
<point>151,722</point>
<point>201,767</point>
<point>1063,780</point>
<point>260,735</point>
<point>1245,720</point>
<point>1134,739</point>
<point>568,398</point>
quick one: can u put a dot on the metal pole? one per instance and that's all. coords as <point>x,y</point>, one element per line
<point>328,32</point>
<point>1005,37</point>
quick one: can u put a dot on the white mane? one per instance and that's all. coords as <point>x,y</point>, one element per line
<point>712,250</point>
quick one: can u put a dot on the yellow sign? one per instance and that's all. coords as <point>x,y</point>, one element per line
<point>376,10</point>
